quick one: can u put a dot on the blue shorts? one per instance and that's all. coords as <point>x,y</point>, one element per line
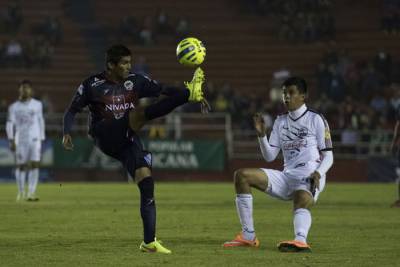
<point>115,139</point>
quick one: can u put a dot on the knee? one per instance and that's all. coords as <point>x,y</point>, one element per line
<point>303,200</point>
<point>240,176</point>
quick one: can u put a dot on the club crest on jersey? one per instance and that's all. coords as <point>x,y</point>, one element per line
<point>128,85</point>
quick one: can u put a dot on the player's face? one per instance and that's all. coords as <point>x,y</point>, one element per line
<point>121,70</point>
<point>292,98</point>
<point>25,92</point>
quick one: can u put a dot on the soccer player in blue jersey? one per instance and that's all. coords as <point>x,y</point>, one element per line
<point>115,118</point>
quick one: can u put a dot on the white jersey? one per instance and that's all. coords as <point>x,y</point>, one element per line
<point>301,140</point>
<point>25,121</point>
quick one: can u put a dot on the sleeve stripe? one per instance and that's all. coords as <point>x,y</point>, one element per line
<point>327,149</point>
<point>274,145</point>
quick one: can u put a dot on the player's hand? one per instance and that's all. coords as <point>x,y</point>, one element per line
<point>314,177</point>
<point>259,124</point>
<point>67,142</point>
<point>12,145</point>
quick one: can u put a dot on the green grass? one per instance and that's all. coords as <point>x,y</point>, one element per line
<point>99,225</point>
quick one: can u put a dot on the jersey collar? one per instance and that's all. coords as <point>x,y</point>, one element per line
<point>298,113</point>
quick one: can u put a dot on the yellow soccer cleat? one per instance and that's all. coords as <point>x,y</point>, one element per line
<point>154,247</point>
<point>195,86</point>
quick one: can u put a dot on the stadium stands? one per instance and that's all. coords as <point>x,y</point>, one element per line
<point>242,48</point>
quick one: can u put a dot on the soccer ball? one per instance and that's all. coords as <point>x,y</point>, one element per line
<point>190,52</point>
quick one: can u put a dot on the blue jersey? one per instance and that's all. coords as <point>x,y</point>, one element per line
<point>108,100</point>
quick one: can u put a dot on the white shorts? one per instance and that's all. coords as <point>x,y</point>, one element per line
<point>28,151</point>
<point>282,186</point>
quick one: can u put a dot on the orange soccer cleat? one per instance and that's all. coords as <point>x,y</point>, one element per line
<point>293,246</point>
<point>239,241</point>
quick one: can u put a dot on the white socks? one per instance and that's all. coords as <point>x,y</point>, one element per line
<point>33,178</point>
<point>244,207</point>
<point>302,224</point>
<point>20,178</point>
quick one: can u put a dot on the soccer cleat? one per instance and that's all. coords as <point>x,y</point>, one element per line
<point>293,246</point>
<point>239,241</point>
<point>154,247</point>
<point>195,86</point>
<point>32,198</point>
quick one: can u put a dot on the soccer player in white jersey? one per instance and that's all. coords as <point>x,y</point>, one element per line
<point>26,131</point>
<point>304,138</point>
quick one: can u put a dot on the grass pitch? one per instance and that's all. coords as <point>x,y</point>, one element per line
<point>99,225</point>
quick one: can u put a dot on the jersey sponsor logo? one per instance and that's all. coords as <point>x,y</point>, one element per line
<point>296,144</point>
<point>119,107</point>
<point>128,85</point>
<point>97,82</point>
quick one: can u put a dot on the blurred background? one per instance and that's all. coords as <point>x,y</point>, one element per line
<point>348,51</point>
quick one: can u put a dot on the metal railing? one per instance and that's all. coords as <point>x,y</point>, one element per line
<point>240,144</point>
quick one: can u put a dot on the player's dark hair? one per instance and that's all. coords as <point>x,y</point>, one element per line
<point>26,81</point>
<point>116,52</point>
<point>299,82</point>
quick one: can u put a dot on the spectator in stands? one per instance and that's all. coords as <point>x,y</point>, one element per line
<point>51,29</point>
<point>146,34</point>
<point>14,55</point>
<point>309,29</point>
<point>383,66</point>
<point>163,24</point>
<point>337,87</point>
<point>323,77</point>
<point>379,104</point>
<point>221,103</point>
<point>48,106</point>
<point>129,28</point>
<point>182,29</point>
<point>390,22</point>
<point>370,82</point>
<point>12,19</point>
<point>286,30</point>
<point>279,76</point>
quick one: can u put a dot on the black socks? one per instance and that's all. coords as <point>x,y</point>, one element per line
<point>148,208</point>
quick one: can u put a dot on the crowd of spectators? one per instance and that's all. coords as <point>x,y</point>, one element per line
<point>151,29</point>
<point>390,22</point>
<point>31,47</point>
<point>298,20</point>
